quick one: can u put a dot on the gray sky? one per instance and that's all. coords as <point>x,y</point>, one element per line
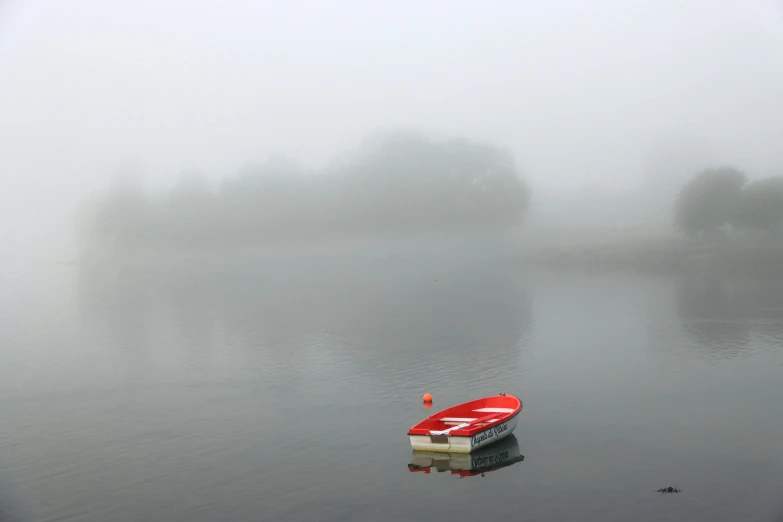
<point>578,90</point>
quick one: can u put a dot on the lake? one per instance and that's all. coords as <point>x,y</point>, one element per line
<point>281,388</point>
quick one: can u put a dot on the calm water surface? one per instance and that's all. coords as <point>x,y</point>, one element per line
<point>282,389</point>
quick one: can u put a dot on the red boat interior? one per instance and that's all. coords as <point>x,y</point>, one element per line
<point>470,417</point>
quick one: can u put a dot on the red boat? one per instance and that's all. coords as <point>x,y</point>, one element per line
<point>467,427</point>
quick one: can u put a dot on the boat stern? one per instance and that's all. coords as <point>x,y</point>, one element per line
<point>441,444</point>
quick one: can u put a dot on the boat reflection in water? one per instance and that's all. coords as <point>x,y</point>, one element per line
<point>502,454</point>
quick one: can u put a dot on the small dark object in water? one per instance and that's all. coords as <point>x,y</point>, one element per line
<point>668,490</point>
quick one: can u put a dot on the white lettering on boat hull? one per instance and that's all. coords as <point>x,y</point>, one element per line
<point>493,434</point>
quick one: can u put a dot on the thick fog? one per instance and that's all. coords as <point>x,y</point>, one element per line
<point>241,239</point>
<point>587,98</point>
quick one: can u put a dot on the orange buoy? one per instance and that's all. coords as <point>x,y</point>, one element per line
<point>427,397</point>
<point>427,405</point>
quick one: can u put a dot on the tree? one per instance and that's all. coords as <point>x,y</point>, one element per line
<point>670,159</point>
<point>709,200</point>
<point>188,213</point>
<point>121,215</point>
<point>761,205</point>
<point>405,180</point>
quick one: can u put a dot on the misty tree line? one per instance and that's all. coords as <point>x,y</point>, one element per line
<point>717,197</point>
<point>395,183</point>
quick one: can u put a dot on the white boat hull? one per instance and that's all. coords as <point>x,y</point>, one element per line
<point>496,455</point>
<point>460,444</point>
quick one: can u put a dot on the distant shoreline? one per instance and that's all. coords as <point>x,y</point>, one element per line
<point>445,245</point>
<point>658,253</point>
<point>643,249</point>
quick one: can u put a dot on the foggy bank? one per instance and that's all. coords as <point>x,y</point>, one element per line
<point>396,185</point>
<point>650,249</point>
<point>720,220</point>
